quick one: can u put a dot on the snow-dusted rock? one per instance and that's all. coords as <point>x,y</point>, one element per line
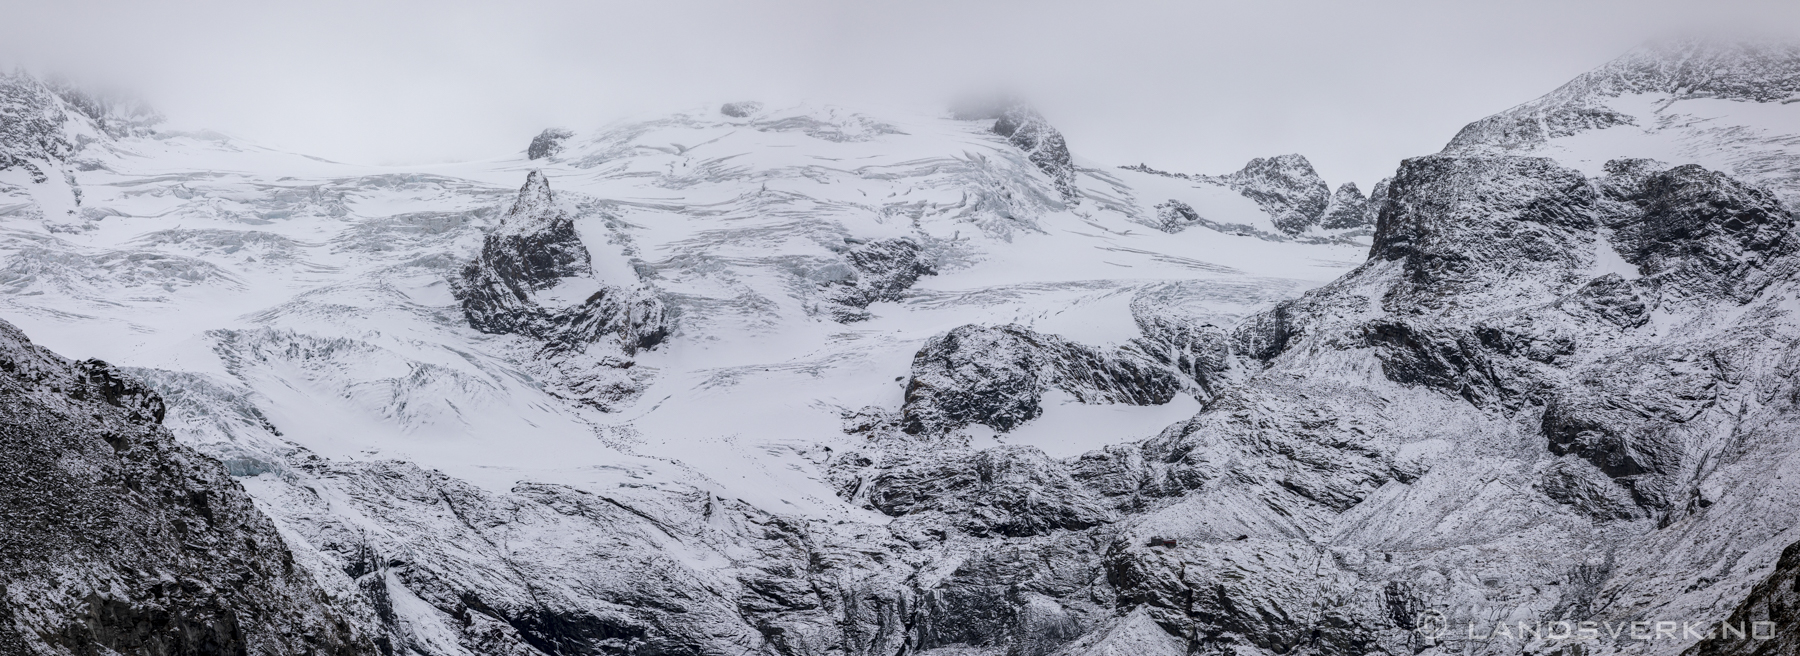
<point>547,143</point>
<point>878,270</point>
<point>1347,210</point>
<point>1560,387</point>
<point>997,376</point>
<point>536,249</point>
<point>118,540</point>
<point>1286,187</point>
<point>1027,130</point>
<point>742,109</point>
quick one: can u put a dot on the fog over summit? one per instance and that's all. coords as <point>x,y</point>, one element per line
<point>1200,87</point>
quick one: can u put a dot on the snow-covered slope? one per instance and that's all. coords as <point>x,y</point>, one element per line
<point>313,323</point>
<point>1729,106</point>
<point>807,380</point>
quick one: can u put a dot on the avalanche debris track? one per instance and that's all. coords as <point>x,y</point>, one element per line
<point>809,381</point>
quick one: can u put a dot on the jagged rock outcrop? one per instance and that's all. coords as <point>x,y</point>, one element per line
<point>1695,231</point>
<point>547,143</point>
<point>1174,216</point>
<point>535,249</point>
<point>41,122</point>
<point>879,270</point>
<point>33,128</point>
<point>117,540</point>
<point>1348,210</point>
<point>1286,187</point>
<point>997,376</point>
<point>1027,130</point>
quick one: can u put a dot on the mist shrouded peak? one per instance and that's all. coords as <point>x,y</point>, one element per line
<point>1686,69</point>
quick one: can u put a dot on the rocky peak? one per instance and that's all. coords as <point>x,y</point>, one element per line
<point>1348,209</point>
<point>536,244</point>
<point>1286,187</point>
<point>1378,198</point>
<point>536,248</point>
<point>1764,72</point>
<point>547,143</point>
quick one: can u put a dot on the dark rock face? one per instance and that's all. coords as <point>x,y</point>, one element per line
<point>118,540</point>
<point>534,249</point>
<point>1459,224</point>
<point>1006,491</point>
<point>1764,623</point>
<point>547,143</point>
<point>997,377</point>
<point>743,109</point>
<point>882,269</point>
<point>1696,230</point>
<point>1347,210</point>
<point>1286,187</point>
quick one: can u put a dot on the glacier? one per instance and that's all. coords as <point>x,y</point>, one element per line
<point>810,380</point>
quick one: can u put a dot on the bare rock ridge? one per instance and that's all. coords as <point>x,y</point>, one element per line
<point>1348,209</point>
<point>534,250</point>
<point>1766,72</point>
<point>118,540</point>
<point>997,377</point>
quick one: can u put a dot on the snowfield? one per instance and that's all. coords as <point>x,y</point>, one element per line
<point>808,381</point>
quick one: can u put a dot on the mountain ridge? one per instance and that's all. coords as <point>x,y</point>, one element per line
<point>920,385</point>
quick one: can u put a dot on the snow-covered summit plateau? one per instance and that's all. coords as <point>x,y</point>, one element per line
<point>813,381</point>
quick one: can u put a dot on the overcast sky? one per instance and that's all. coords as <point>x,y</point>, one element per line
<point>1186,86</point>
